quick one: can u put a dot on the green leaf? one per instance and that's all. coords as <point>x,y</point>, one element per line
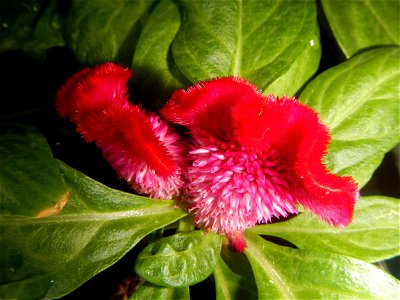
<point>102,30</point>
<point>287,273</point>
<point>49,257</point>
<point>234,278</point>
<point>31,26</point>
<point>372,235</point>
<point>47,32</point>
<point>155,74</point>
<point>179,260</point>
<point>30,180</point>
<point>17,19</point>
<point>150,291</point>
<point>359,101</point>
<point>358,25</point>
<point>272,44</point>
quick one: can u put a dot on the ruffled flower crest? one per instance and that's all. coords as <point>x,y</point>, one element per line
<point>141,147</point>
<point>251,157</point>
<point>255,157</point>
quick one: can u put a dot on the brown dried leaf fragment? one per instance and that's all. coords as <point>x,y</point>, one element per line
<point>56,209</point>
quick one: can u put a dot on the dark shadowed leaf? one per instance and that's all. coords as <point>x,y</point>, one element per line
<point>151,291</point>
<point>234,277</point>
<point>155,75</point>
<point>17,19</point>
<point>30,180</point>
<point>102,30</point>
<point>47,32</point>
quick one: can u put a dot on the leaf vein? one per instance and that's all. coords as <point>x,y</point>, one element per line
<point>357,104</point>
<point>380,21</point>
<point>238,55</point>
<point>283,286</point>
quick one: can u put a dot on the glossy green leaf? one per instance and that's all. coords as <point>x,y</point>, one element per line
<point>150,291</point>
<point>102,30</point>
<point>272,44</point>
<point>155,75</point>
<point>179,260</point>
<point>234,277</point>
<point>17,20</point>
<point>359,25</point>
<point>49,257</point>
<point>287,273</point>
<point>359,101</point>
<point>372,235</point>
<point>30,180</point>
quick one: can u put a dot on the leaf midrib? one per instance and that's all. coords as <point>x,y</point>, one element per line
<point>87,217</point>
<point>278,280</point>
<point>224,286</point>
<point>238,55</point>
<point>327,231</point>
<point>351,108</point>
<point>379,21</point>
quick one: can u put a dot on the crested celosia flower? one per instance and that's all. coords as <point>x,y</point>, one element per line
<point>251,158</point>
<point>255,157</point>
<point>140,146</point>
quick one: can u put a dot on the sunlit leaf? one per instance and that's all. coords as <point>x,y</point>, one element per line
<point>179,260</point>
<point>51,256</point>
<point>272,44</point>
<point>358,25</point>
<point>287,273</point>
<point>371,236</point>
<point>359,101</point>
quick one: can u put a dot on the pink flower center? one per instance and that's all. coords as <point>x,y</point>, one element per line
<point>233,188</point>
<point>137,170</point>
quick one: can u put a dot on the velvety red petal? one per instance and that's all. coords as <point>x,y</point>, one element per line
<point>128,131</point>
<point>251,123</point>
<point>205,107</point>
<point>329,196</point>
<point>65,100</point>
<point>93,89</point>
<point>140,146</point>
<point>295,132</point>
<point>274,124</point>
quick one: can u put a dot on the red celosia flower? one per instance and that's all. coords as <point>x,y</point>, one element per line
<point>255,157</point>
<point>140,146</point>
<point>93,89</point>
